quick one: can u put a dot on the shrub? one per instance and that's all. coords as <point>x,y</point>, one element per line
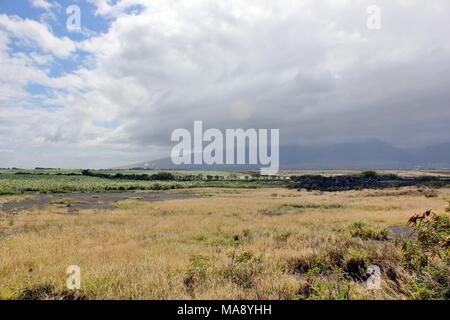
<point>433,231</point>
<point>369,174</point>
<point>428,256</point>
<point>315,263</point>
<point>243,269</point>
<point>335,287</point>
<point>364,231</point>
<point>197,272</point>
<point>430,194</point>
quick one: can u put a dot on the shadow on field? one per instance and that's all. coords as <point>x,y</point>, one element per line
<point>49,292</point>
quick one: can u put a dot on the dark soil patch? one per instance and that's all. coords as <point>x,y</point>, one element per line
<point>79,201</point>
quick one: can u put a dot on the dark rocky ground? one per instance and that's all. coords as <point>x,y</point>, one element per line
<point>353,182</point>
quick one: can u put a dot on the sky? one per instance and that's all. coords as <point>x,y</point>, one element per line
<point>111,92</point>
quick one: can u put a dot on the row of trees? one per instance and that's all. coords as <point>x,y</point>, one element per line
<point>167,176</point>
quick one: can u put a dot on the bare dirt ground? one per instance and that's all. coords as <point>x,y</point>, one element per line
<point>82,201</point>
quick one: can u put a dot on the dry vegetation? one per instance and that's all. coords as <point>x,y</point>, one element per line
<point>226,244</point>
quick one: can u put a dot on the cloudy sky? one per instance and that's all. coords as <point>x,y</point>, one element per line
<point>111,92</point>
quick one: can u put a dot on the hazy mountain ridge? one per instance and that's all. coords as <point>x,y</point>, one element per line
<point>372,154</point>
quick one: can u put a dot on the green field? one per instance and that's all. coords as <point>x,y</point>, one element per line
<point>55,181</point>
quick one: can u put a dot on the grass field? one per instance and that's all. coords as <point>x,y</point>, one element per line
<point>52,181</point>
<point>225,243</point>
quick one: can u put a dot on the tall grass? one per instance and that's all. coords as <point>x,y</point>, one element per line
<point>219,246</point>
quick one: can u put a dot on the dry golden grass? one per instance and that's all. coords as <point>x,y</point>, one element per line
<point>227,244</point>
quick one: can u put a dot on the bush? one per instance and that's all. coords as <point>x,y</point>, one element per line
<point>243,269</point>
<point>369,174</point>
<point>433,231</point>
<point>197,272</point>
<point>431,194</point>
<point>364,231</point>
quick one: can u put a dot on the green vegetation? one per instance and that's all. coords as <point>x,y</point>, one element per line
<point>364,231</point>
<point>46,180</point>
<point>428,256</point>
<point>432,242</point>
<point>369,174</point>
<point>61,181</point>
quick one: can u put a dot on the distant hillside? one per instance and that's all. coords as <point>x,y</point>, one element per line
<point>373,154</point>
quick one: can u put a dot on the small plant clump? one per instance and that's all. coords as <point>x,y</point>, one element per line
<point>364,231</point>
<point>428,256</point>
<point>197,272</point>
<point>432,240</point>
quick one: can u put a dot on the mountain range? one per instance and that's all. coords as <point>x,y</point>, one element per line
<point>371,154</point>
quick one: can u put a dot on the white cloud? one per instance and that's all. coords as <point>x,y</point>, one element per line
<point>109,9</point>
<point>44,4</point>
<point>310,68</point>
<point>49,8</point>
<point>38,34</point>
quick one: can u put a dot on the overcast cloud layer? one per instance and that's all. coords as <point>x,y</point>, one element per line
<point>112,95</point>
